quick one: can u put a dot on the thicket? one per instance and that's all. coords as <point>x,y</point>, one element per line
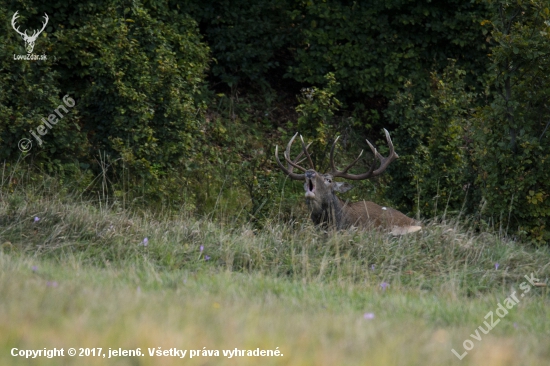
<point>182,103</point>
<point>134,72</point>
<point>512,143</point>
<point>484,151</point>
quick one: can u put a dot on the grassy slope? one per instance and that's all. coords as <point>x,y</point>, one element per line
<point>80,277</point>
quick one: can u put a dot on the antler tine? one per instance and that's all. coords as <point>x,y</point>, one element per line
<point>287,154</point>
<point>304,149</point>
<point>13,20</point>
<point>291,163</point>
<point>285,170</point>
<point>301,154</point>
<point>295,162</point>
<point>332,166</point>
<point>335,172</point>
<point>353,162</point>
<point>384,162</point>
<point>44,24</point>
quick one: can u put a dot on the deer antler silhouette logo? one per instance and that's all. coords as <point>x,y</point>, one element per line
<point>29,40</point>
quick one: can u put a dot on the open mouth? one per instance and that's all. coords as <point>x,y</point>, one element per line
<point>310,188</point>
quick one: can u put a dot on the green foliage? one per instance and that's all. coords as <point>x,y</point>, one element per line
<point>316,110</point>
<point>374,47</point>
<point>248,38</point>
<point>511,132</point>
<point>29,92</point>
<point>432,139</point>
<point>135,79</point>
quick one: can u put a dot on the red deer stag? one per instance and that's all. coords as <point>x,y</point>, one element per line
<point>329,210</point>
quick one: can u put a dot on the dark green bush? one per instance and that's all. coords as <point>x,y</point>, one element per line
<point>135,79</point>
<point>371,47</point>
<point>374,47</point>
<point>31,91</point>
<point>511,132</point>
<point>250,39</point>
<point>433,144</point>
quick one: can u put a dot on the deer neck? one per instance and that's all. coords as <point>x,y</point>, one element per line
<point>328,213</point>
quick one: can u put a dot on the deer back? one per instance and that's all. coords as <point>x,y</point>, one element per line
<point>369,214</point>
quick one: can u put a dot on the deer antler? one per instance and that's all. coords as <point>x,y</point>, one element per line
<point>384,162</point>
<point>25,35</point>
<point>293,163</point>
<point>43,27</point>
<point>13,19</point>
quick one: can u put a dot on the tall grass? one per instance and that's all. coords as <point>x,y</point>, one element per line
<point>444,254</point>
<point>77,272</point>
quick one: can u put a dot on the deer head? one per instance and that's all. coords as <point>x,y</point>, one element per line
<point>29,40</point>
<point>320,191</point>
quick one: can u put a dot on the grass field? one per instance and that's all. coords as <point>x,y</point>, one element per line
<point>83,275</point>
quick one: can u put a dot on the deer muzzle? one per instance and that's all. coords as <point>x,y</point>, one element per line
<point>309,185</point>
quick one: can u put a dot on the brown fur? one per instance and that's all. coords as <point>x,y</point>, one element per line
<point>366,213</point>
<point>328,210</point>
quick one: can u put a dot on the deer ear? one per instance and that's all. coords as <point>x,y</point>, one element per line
<point>342,187</point>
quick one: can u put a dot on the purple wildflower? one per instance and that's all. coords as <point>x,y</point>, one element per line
<point>496,265</point>
<point>384,285</point>
<point>36,219</point>
<point>372,267</point>
<point>201,248</point>
<point>206,257</point>
<point>34,268</point>
<point>368,316</point>
<point>145,242</point>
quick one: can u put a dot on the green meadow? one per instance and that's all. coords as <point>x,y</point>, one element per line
<point>81,274</point>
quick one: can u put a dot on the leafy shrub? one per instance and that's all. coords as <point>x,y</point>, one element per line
<point>249,38</point>
<point>374,47</point>
<point>511,132</point>
<point>433,171</point>
<point>135,78</point>
<point>316,111</point>
<point>31,91</point>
